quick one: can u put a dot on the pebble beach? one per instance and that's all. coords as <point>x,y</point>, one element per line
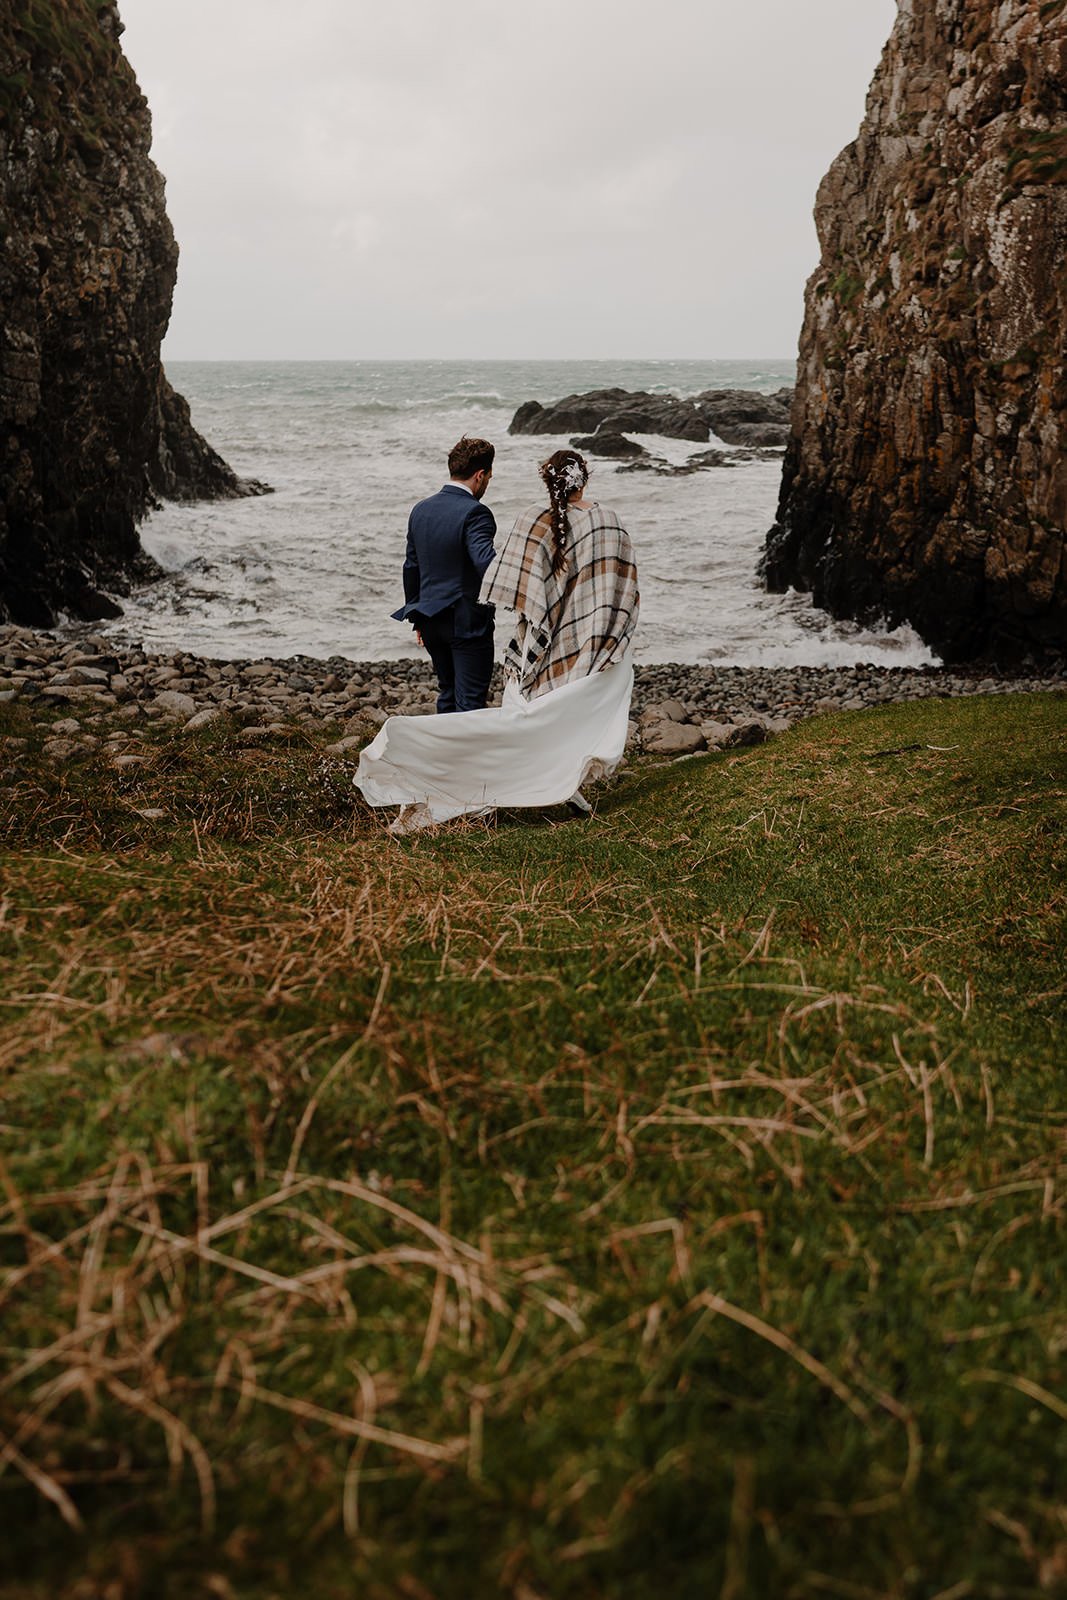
<point>105,691</point>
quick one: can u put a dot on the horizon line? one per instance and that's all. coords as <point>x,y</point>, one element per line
<point>452,360</point>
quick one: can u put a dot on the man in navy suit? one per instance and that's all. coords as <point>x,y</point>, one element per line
<point>450,545</point>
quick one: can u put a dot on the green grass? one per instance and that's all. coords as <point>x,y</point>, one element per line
<point>71,78</point>
<point>663,1205</point>
<point>846,287</point>
<point>1036,156</point>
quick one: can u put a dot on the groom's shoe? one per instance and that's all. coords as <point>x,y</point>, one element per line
<point>578,805</point>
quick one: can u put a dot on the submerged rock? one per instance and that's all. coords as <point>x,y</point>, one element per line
<point>615,446</point>
<point>926,475</point>
<point>90,430</point>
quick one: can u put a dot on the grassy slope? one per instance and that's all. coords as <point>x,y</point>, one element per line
<point>678,1189</point>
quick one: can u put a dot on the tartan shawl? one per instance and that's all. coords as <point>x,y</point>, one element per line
<point>573,623</point>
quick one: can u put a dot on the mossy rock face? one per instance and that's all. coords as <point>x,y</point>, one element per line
<point>88,426</point>
<point>69,63</point>
<point>1038,156</point>
<point>929,455</point>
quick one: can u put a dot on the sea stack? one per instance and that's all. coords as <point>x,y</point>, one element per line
<point>90,429</point>
<point>926,475</point>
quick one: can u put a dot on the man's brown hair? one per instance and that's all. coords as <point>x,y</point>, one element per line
<point>470,456</point>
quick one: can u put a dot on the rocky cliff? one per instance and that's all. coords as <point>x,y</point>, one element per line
<point>926,474</point>
<point>89,426</point>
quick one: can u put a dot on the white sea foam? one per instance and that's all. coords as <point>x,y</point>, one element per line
<point>315,567</point>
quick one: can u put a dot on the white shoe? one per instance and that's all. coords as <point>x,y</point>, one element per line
<point>410,820</point>
<point>579,805</point>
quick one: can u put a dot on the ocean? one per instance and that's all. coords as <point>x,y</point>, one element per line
<point>348,446</point>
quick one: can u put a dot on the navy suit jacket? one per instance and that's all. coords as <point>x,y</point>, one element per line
<point>450,545</point>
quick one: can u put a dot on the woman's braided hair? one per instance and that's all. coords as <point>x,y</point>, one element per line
<point>564,474</point>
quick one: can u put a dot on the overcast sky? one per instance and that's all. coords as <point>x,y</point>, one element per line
<point>405,178</point>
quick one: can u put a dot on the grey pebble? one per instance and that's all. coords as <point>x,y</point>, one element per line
<point>710,702</point>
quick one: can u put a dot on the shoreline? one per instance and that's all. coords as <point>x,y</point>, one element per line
<point>678,708</point>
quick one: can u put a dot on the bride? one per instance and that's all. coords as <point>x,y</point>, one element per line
<point>568,570</point>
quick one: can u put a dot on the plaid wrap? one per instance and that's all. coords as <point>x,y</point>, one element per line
<point>574,623</point>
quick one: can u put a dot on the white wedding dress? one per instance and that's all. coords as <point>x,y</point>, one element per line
<point>535,752</point>
<point>566,705</point>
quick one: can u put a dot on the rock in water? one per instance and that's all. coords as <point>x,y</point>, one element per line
<point>926,474</point>
<point>88,424</point>
<point>739,416</point>
<point>606,442</point>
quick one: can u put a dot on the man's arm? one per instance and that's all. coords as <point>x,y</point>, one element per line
<point>411,568</point>
<point>479,531</point>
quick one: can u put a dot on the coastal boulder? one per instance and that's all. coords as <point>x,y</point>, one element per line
<point>926,474</point>
<point>747,417</point>
<point>576,413</point>
<point>172,703</point>
<point>745,733</point>
<point>673,739</point>
<point>731,414</point>
<point>616,446</point>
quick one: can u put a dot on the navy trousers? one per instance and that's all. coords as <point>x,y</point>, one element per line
<point>459,640</point>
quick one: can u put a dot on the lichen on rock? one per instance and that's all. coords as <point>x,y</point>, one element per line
<point>926,475</point>
<point>90,430</point>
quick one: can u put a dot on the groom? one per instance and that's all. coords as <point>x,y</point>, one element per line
<point>450,545</point>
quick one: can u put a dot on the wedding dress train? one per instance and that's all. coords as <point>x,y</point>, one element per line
<point>524,752</point>
<point>566,704</point>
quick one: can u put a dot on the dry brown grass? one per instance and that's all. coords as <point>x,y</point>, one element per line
<point>561,1178</point>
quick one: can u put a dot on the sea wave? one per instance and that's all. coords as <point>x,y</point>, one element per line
<point>430,402</point>
<point>315,568</point>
